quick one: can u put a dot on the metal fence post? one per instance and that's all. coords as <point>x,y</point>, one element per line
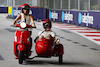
<point>78,4</point>
<point>61,5</point>
<point>88,4</point>
<point>68,4</point>
<point>54,4</point>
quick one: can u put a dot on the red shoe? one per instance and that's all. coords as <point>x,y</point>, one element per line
<point>16,57</point>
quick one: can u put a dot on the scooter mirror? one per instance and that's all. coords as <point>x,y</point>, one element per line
<point>58,40</point>
<point>23,24</point>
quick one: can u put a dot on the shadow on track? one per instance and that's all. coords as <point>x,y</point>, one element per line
<point>43,62</point>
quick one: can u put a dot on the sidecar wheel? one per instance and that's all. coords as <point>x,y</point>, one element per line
<point>60,59</point>
<point>20,56</point>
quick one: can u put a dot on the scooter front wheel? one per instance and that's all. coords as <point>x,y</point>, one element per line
<point>21,56</point>
<point>60,59</point>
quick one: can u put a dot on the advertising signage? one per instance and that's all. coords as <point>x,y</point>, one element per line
<point>81,18</point>
<point>87,19</point>
<point>37,13</point>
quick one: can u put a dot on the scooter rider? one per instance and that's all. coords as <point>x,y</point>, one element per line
<point>47,33</point>
<point>25,16</point>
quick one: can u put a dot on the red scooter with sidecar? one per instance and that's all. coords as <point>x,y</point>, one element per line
<point>22,42</point>
<point>44,47</point>
<point>47,48</point>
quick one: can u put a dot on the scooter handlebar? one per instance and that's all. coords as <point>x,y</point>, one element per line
<point>12,26</point>
<point>18,25</point>
<point>33,27</point>
<point>29,26</point>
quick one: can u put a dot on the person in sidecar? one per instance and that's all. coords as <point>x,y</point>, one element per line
<point>25,16</point>
<point>47,33</point>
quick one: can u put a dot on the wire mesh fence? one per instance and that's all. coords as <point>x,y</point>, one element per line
<point>71,4</point>
<point>5,3</point>
<point>56,4</point>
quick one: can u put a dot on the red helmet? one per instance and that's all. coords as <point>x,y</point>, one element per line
<point>25,6</point>
<point>47,21</point>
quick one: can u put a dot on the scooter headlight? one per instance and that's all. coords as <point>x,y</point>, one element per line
<point>23,24</point>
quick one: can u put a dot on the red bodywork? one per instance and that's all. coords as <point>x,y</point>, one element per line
<point>45,47</point>
<point>22,41</point>
<point>58,50</point>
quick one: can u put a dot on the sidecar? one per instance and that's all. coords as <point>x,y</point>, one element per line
<point>48,48</point>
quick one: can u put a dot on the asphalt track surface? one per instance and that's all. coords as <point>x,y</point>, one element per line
<point>79,51</point>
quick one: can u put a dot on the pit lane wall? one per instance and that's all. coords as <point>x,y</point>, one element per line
<point>3,9</point>
<point>80,18</point>
<point>37,13</point>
